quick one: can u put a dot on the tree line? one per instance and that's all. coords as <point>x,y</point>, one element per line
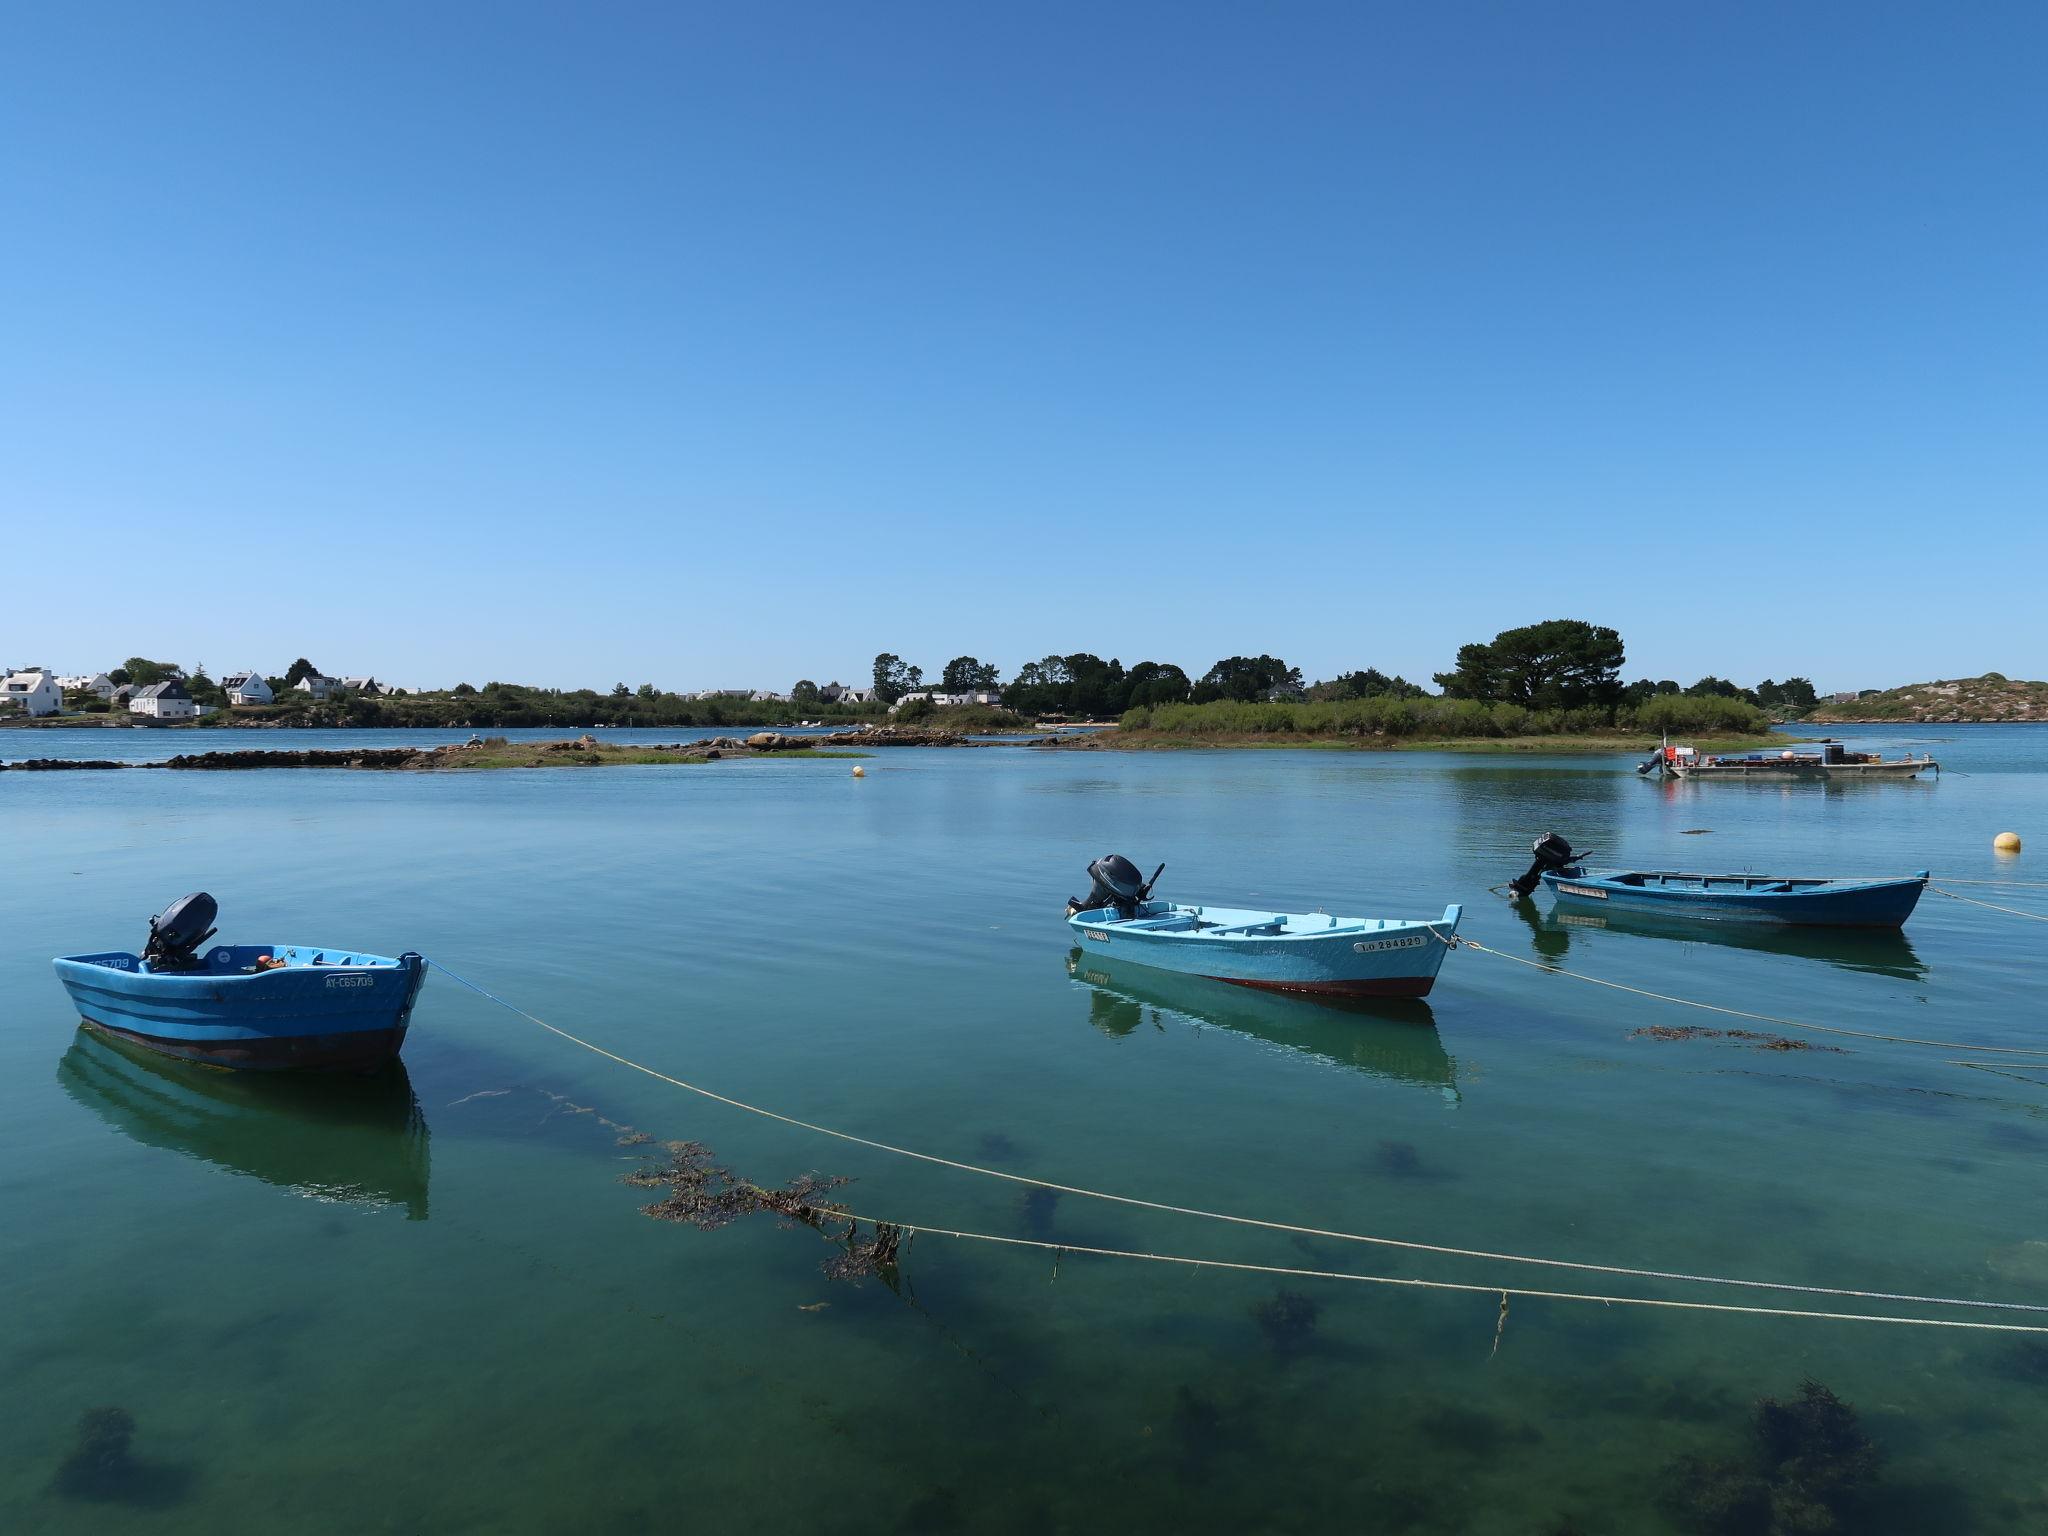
<point>1559,665</point>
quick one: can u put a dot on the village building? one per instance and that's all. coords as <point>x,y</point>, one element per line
<point>247,688</point>
<point>320,688</point>
<point>167,700</point>
<point>35,692</point>
<point>365,685</point>
<point>949,700</point>
<point>98,684</point>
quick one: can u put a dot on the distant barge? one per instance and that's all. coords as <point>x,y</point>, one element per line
<point>1823,760</point>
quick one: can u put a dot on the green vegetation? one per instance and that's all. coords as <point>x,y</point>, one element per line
<point>1389,719</point>
<point>1561,664</point>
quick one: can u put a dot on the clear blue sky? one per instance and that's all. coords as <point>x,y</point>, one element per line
<point>720,344</point>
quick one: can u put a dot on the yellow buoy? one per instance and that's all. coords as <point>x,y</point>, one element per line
<point>2006,842</point>
<point>861,773</point>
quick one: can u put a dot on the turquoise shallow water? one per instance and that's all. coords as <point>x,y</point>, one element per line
<point>430,1304</point>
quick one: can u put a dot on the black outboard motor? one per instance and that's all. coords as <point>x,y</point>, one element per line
<point>1115,882</point>
<point>176,933</point>
<point>1553,857</point>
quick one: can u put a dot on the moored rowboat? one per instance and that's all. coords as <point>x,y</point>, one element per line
<point>1745,898</point>
<point>263,1006</point>
<point>1308,952</point>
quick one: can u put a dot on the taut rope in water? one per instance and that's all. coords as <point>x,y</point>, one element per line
<point>1406,1244</point>
<point>1469,1288</point>
<point>1989,906</point>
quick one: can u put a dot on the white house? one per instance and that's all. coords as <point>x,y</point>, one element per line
<point>99,685</point>
<point>361,685</point>
<point>248,688</point>
<point>765,696</point>
<point>950,700</point>
<point>840,693</point>
<point>316,685</point>
<point>163,701</point>
<point>36,692</point>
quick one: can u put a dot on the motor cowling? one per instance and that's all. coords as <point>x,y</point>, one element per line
<point>176,933</point>
<point>1114,881</point>
<point>1553,856</point>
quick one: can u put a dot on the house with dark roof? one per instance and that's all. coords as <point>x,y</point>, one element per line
<point>167,700</point>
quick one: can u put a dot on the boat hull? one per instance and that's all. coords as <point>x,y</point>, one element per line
<point>1770,772</point>
<point>322,1011</point>
<point>1746,898</point>
<point>1322,957</point>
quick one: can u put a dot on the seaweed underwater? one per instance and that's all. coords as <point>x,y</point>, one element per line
<point>1810,1470</point>
<point>707,1196</point>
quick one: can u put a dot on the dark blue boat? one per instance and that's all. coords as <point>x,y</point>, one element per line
<point>1744,898</point>
<point>262,1006</point>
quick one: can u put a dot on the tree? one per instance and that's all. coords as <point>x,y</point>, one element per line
<point>893,679</point>
<point>647,691</point>
<point>462,690</point>
<point>119,677</point>
<point>1798,693</point>
<point>1558,664</point>
<point>1711,686</point>
<point>1372,683</point>
<point>964,674</point>
<point>621,691</point>
<point>142,671</point>
<point>805,694</point>
<point>298,671</point>
<point>1249,678</point>
<point>1155,682</point>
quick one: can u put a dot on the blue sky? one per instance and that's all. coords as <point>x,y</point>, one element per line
<point>709,345</point>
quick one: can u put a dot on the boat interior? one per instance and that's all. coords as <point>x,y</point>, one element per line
<point>1228,922</point>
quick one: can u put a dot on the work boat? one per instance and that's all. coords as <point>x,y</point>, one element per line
<point>1820,761</point>
<point>262,1006</point>
<point>1744,898</point>
<point>1308,952</point>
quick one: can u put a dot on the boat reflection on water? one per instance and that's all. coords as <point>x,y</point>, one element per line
<point>1879,951</point>
<point>356,1140</point>
<point>1388,1037</point>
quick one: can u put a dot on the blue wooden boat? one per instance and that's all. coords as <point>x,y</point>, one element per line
<point>1306,952</point>
<point>1743,898</point>
<point>263,1006</point>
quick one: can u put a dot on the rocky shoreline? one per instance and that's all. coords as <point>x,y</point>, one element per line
<point>580,752</point>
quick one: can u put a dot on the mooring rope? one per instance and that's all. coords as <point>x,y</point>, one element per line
<point>1989,906</point>
<point>1406,1244</point>
<point>1457,942</point>
<point>2030,885</point>
<point>1467,1287</point>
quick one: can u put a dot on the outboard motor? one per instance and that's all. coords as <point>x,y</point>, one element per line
<point>176,933</point>
<point>1115,882</point>
<point>1553,857</point>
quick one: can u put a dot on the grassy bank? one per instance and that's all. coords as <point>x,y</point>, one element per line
<point>1586,742</point>
<point>1454,724</point>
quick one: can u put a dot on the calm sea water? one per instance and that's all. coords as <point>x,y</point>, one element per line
<point>430,1305</point>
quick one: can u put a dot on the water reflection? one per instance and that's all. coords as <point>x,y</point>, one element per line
<point>1883,952</point>
<point>1386,1037</point>
<point>361,1140</point>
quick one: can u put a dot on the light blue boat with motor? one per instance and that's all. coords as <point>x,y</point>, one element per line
<point>261,1006</point>
<point>1742,898</point>
<point>1307,952</point>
